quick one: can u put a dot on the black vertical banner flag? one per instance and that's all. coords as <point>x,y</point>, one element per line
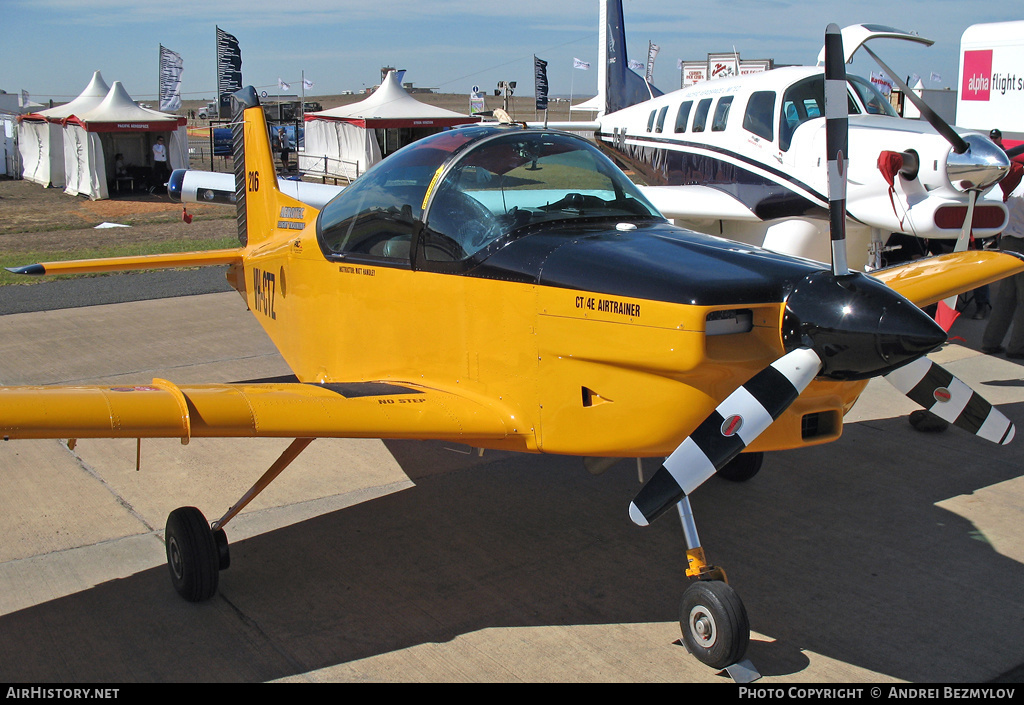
<point>229,67</point>
<point>540,81</point>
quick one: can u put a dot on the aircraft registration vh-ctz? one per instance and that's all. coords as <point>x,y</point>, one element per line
<point>523,295</point>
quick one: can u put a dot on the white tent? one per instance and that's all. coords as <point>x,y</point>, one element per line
<point>341,142</point>
<point>41,136</point>
<point>117,126</point>
<point>11,106</point>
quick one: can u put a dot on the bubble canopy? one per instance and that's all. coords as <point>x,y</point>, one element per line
<point>460,194</point>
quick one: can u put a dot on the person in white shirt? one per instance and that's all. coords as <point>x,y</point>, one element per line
<point>160,172</point>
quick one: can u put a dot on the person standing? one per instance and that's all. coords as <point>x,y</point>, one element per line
<point>160,172</point>
<point>286,148</point>
<point>1008,306</point>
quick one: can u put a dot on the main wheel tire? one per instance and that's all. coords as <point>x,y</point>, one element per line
<point>192,554</point>
<point>714,623</point>
<point>741,468</point>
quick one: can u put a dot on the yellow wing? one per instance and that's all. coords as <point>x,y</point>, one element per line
<point>292,410</point>
<point>928,281</point>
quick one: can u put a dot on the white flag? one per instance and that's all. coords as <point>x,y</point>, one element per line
<point>577,64</point>
<point>307,84</point>
<point>652,54</point>
<point>282,85</point>
<point>171,67</point>
<point>936,78</point>
<point>636,65</point>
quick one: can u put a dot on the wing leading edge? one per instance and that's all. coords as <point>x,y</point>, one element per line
<point>930,280</point>
<point>288,410</point>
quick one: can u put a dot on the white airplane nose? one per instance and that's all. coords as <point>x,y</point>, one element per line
<point>982,165</point>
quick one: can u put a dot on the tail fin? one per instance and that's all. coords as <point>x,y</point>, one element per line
<point>262,207</point>
<point>622,87</point>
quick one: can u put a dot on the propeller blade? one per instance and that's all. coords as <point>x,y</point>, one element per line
<point>947,316</point>
<point>940,125</point>
<point>938,391</point>
<point>1015,151</point>
<point>730,428</point>
<point>965,233</point>
<point>836,144</point>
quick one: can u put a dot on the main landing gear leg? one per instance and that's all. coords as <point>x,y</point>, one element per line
<point>197,551</point>
<point>712,617</point>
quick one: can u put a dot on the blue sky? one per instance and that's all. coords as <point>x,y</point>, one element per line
<point>51,47</point>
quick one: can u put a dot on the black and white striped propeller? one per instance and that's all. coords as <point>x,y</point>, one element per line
<point>839,325</point>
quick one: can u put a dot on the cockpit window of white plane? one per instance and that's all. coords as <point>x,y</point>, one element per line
<point>803,101</point>
<point>721,113</point>
<point>700,118</point>
<point>683,116</point>
<point>874,102</point>
<point>650,120</point>
<point>760,114</point>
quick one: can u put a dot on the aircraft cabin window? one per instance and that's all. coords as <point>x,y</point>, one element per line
<point>721,113</point>
<point>497,189</point>
<point>661,119</point>
<point>438,202</point>
<point>683,116</point>
<point>650,120</point>
<point>376,216</point>
<point>700,118</point>
<point>760,114</point>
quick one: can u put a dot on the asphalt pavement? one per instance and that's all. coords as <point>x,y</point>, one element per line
<point>50,295</point>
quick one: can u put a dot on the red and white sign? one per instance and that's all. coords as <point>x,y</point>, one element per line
<point>977,75</point>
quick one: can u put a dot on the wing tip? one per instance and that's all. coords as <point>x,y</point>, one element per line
<point>30,269</point>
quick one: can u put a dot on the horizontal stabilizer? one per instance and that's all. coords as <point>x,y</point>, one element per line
<point>206,258</point>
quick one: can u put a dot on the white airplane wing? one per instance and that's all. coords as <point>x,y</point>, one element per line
<point>697,202</point>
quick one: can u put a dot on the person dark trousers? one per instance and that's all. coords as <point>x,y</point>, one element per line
<point>1007,309</point>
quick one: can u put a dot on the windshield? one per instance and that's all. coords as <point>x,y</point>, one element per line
<point>453,194</point>
<point>521,179</point>
<point>874,102</point>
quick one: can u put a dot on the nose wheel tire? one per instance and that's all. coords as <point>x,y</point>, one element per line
<point>714,623</point>
<point>194,554</point>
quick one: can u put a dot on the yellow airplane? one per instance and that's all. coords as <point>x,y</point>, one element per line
<point>510,288</point>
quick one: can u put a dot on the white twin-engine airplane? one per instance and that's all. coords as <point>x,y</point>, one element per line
<point>741,157</point>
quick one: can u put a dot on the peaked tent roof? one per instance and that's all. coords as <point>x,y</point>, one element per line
<point>119,113</point>
<point>88,99</point>
<point>391,106</point>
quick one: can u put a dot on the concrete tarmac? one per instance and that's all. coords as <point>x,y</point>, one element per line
<point>887,556</point>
